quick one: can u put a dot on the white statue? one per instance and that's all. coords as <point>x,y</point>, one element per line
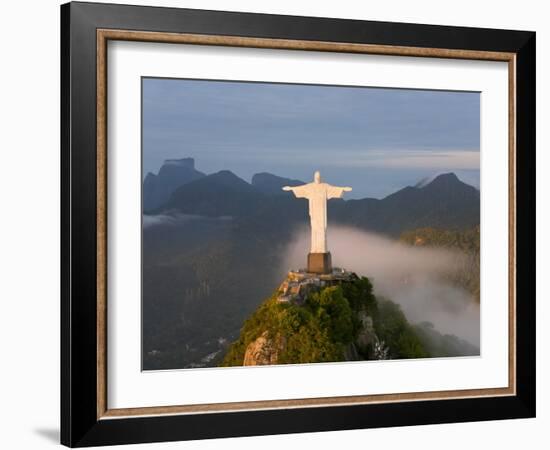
<point>318,193</point>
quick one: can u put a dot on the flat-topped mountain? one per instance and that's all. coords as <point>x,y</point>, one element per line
<point>173,174</point>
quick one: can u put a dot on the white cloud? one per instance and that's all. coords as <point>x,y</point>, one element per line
<point>174,219</point>
<point>412,159</point>
<point>410,276</point>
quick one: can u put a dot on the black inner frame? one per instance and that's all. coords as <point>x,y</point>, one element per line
<point>79,423</point>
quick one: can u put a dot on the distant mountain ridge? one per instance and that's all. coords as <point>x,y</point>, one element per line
<point>445,202</point>
<point>268,183</point>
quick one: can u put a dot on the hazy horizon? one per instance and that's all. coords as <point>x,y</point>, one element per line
<point>376,140</point>
<point>420,182</point>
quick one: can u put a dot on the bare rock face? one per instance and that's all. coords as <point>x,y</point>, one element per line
<point>367,336</point>
<point>264,350</point>
<point>351,354</point>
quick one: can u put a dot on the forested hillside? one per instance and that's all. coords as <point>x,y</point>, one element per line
<point>466,271</point>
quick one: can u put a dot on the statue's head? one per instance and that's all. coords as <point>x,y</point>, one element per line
<point>317,176</point>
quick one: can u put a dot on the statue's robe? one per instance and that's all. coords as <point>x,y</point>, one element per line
<point>317,195</point>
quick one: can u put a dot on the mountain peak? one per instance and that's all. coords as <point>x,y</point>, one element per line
<point>220,194</point>
<point>450,176</point>
<point>226,176</point>
<point>444,181</point>
<point>222,181</point>
<point>180,162</point>
<point>149,176</point>
<point>272,184</point>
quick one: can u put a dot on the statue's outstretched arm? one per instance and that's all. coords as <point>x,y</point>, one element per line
<point>341,188</point>
<point>336,191</point>
<point>299,191</point>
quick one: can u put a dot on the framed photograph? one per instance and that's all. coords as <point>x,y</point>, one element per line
<point>277,224</point>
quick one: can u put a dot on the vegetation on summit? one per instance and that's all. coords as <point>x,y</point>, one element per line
<point>326,327</point>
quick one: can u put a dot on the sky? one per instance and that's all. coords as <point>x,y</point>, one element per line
<point>372,139</point>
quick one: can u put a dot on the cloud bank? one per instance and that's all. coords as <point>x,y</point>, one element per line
<point>407,275</point>
<point>171,219</point>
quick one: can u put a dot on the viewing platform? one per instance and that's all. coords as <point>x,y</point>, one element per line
<point>300,283</point>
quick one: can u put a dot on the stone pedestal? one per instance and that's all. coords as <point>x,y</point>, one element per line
<point>319,263</point>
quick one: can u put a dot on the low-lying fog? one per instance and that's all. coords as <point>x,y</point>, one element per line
<point>410,276</point>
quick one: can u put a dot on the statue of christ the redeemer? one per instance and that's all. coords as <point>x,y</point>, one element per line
<point>317,192</point>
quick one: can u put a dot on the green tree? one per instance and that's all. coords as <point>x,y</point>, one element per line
<point>326,325</point>
<point>392,327</point>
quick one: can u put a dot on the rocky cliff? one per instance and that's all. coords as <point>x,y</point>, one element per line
<point>264,350</point>
<point>323,318</point>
